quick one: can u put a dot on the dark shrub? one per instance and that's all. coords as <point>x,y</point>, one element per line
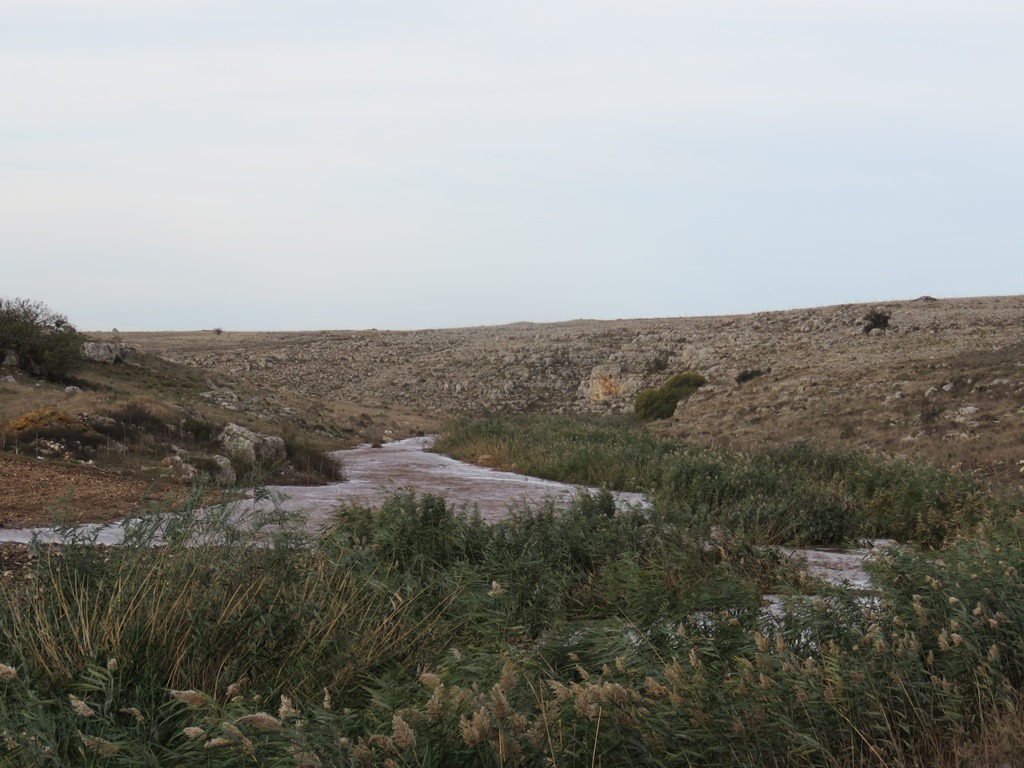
<point>654,404</point>
<point>876,318</point>
<point>744,376</point>
<point>45,342</point>
<point>660,403</point>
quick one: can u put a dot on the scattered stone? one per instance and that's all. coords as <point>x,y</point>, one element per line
<point>184,470</point>
<point>71,391</point>
<point>226,475</point>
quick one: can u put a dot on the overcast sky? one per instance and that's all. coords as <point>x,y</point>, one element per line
<point>261,164</point>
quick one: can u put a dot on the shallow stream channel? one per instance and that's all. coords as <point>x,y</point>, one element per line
<point>372,474</point>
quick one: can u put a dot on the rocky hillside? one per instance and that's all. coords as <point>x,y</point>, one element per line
<point>936,379</point>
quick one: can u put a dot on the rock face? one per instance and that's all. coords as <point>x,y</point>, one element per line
<point>246,448</point>
<point>105,352</point>
<point>9,359</point>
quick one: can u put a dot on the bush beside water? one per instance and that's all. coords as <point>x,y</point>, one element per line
<point>416,634</point>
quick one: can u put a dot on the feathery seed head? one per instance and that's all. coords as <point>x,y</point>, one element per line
<point>403,735</point>
<point>430,680</point>
<point>286,711</point>
<point>100,746</point>
<point>134,712</point>
<point>261,721</point>
<point>562,693</point>
<point>237,688</point>
<point>190,698</point>
<point>81,708</point>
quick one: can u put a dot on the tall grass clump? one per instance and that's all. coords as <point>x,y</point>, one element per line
<point>614,453</point>
<point>797,494</point>
<point>804,494</point>
<point>198,599</point>
<point>583,638</point>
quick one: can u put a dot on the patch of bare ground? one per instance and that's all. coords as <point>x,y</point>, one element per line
<point>35,492</point>
<point>944,382</point>
<point>94,444</point>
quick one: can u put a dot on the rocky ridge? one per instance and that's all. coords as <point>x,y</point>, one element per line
<point>942,371</point>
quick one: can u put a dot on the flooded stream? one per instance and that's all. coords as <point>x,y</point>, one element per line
<point>373,474</point>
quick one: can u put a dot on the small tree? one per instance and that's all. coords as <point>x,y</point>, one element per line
<point>45,342</point>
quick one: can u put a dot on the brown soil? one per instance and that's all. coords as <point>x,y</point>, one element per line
<point>34,492</point>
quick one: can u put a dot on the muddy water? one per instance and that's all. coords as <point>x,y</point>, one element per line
<point>372,474</point>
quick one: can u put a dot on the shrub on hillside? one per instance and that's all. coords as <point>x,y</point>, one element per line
<point>45,342</point>
<point>749,375</point>
<point>876,319</point>
<point>660,403</point>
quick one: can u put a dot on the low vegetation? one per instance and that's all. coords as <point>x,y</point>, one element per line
<point>414,633</point>
<point>799,494</point>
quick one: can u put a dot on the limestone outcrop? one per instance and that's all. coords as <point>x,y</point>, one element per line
<point>106,352</point>
<point>246,448</point>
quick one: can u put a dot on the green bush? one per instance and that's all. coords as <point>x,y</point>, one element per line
<point>45,342</point>
<point>660,403</point>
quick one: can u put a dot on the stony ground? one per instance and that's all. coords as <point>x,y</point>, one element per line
<point>36,492</point>
<point>943,383</point>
